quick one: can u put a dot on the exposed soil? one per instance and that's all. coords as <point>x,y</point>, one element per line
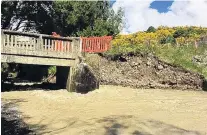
<point>147,71</point>
<point>111,110</point>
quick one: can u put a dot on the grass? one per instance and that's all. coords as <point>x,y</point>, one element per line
<point>180,56</point>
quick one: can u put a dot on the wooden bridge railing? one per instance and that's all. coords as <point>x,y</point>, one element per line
<point>22,43</point>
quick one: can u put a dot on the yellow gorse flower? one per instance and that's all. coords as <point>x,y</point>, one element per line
<point>141,37</point>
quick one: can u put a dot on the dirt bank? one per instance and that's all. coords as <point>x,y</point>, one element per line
<point>147,71</point>
<point>111,110</point>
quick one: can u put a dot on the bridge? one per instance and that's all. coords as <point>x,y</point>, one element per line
<point>41,49</point>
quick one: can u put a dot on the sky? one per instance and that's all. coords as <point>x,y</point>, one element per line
<point>140,14</point>
<point>161,6</point>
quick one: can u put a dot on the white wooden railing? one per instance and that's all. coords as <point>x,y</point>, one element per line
<point>22,43</point>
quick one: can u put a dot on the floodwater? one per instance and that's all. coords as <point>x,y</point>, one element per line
<point>112,110</point>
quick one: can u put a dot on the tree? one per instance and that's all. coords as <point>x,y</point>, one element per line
<point>86,18</point>
<point>8,11</point>
<point>103,27</point>
<point>39,16</point>
<point>29,15</point>
<point>179,33</point>
<point>68,18</point>
<point>151,29</point>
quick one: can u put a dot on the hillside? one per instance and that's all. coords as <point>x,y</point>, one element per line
<point>177,45</point>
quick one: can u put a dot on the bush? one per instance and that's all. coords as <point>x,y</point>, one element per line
<point>51,70</point>
<point>4,71</point>
<point>151,29</point>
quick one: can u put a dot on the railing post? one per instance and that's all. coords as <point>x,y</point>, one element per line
<point>72,47</point>
<point>40,43</point>
<point>7,40</point>
<point>2,40</point>
<point>80,45</point>
<point>76,47</point>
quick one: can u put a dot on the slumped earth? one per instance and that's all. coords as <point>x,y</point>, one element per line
<point>111,110</point>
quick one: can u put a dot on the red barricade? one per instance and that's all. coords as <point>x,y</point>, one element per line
<point>89,44</point>
<point>96,44</point>
<point>58,44</point>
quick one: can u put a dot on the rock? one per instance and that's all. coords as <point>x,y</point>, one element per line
<point>139,62</point>
<point>157,73</point>
<point>160,67</point>
<point>200,60</point>
<point>133,64</point>
<point>148,63</point>
<point>129,81</point>
<point>84,79</point>
<point>165,65</point>
<point>150,55</point>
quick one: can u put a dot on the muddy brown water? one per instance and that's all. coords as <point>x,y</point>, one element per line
<point>112,110</point>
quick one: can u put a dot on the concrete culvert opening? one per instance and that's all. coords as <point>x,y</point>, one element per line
<point>26,77</point>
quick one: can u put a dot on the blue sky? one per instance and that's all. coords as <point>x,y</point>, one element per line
<point>140,14</point>
<point>160,6</point>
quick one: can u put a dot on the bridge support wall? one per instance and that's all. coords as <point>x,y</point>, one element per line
<point>63,77</point>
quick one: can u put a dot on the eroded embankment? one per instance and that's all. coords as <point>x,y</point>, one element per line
<point>147,71</point>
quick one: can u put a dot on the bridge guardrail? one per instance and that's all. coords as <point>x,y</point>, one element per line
<point>23,43</point>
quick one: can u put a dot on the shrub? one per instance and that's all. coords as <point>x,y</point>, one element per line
<point>4,71</point>
<point>51,70</point>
